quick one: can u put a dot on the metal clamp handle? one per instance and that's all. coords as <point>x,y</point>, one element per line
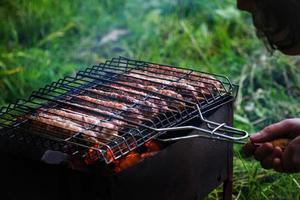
<point>228,133</point>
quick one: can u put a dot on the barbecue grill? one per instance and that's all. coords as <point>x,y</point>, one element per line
<point>110,111</point>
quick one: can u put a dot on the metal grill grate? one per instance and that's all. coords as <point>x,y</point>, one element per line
<point>106,111</point>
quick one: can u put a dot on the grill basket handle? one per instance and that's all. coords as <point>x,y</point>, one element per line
<point>214,131</point>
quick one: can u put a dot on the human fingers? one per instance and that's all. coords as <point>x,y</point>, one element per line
<point>277,165</point>
<point>287,128</point>
<point>291,156</point>
<point>268,161</point>
<point>263,151</point>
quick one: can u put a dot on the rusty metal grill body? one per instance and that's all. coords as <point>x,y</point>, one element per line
<point>19,132</point>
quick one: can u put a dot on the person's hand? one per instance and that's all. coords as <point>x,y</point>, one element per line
<point>277,146</point>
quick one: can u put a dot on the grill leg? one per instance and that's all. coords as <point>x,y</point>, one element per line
<point>227,190</point>
<point>228,183</point>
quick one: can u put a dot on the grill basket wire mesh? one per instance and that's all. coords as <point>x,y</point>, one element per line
<point>69,100</point>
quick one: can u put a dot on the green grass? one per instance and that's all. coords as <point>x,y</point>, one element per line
<point>41,41</point>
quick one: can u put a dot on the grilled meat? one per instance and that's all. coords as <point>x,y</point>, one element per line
<point>166,92</point>
<point>134,90</point>
<point>115,95</point>
<point>138,95</point>
<point>182,84</point>
<point>184,89</point>
<point>177,82</point>
<point>112,106</point>
<point>86,120</point>
<point>58,122</point>
<point>101,129</point>
<point>150,107</point>
<point>102,114</point>
<point>195,77</point>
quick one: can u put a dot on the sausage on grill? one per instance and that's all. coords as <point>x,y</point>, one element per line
<point>58,122</point>
<point>116,107</point>
<point>166,92</point>
<point>150,107</point>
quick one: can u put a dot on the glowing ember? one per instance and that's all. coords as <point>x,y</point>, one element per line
<point>133,158</point>
<point>129,160</point>
<point>151,148</point>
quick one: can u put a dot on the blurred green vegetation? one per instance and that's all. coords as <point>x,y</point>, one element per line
<point>43,40</point>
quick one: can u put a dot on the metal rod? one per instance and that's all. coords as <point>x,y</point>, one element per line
<point>226,129</point>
